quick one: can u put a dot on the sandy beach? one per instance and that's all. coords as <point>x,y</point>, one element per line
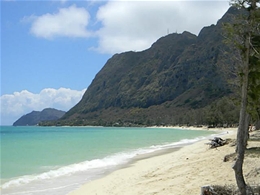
<point>180,172</point>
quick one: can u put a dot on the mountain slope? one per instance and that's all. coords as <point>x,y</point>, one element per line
<point>179,73</point>
<point>35,117</point>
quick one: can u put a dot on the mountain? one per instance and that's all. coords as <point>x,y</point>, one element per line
<point>180,79</point>
<point>35,117</point>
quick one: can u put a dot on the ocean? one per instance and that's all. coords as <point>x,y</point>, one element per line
<point>56,160</point>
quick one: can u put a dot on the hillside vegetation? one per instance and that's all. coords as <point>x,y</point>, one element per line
<point>35,117</point>
<point>180,79</point>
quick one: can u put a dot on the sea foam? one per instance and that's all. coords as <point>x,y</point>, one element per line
<point>108,162</point>
<point>64,179</point>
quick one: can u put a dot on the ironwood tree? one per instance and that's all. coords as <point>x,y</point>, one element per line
<point>245,33</point>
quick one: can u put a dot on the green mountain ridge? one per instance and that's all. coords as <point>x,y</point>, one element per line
<point>35,117</point>
<point>181,79</point>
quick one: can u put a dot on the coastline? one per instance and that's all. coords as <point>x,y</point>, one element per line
<point>203,128</point>
<point>182,171</point>
<point>126,146</point>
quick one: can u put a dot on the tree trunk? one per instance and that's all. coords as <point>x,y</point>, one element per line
<point>242,132</point>
<point>242,136</point>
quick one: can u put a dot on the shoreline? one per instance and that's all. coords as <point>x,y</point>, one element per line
<point>85,171</point>
<point>203,128</point>
<point>181,171</point>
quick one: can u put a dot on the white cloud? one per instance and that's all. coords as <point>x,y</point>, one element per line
<point>13,106</point>
<point>63,1</point>
<point>128,24</point>
<point>135,25</point>
<point>68,22</point>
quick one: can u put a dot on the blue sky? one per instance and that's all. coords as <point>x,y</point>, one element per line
<point>52,50</point>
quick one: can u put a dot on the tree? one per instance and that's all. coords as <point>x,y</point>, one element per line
<point>254,81</point>
<point>245,32</point>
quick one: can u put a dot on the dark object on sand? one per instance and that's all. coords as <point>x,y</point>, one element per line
<point>217,190</point>
<point>228,190</point>
<point>216,142</point>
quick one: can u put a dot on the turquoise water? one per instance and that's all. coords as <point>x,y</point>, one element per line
<point>59,159</point>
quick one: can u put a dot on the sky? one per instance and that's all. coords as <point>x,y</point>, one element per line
<point>51,50</point>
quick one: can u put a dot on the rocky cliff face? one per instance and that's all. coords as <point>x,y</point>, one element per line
<point>179,73</point>
<point>35,117</point>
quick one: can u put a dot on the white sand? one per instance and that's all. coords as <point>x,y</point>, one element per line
<point>180,172</point>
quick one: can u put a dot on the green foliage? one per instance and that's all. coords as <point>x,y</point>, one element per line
<point>223,111</point>
<point>245,35</point>
<point>35,117</point>
<point>247,25</point>
<point>179,80</point>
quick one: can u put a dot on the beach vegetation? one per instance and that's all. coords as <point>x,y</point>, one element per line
<point>245,34</point>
